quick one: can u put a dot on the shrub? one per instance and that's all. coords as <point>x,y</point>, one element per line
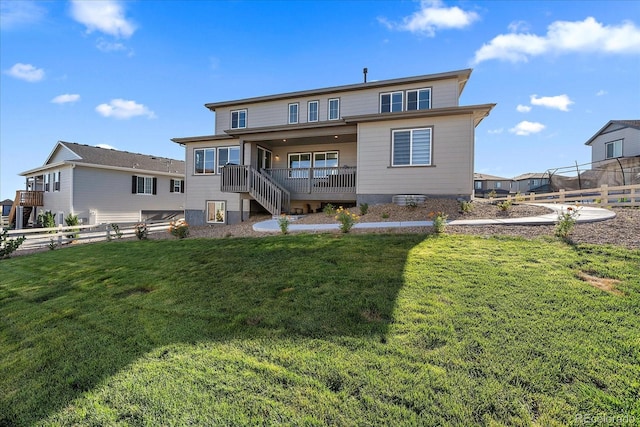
<point>179,228</point>
<point>439,221</point>
<point>504,206</point>
<point>519,197</point>
<point>364,208</point>
<point>7,245</point>
<point>141,231</point>
<point>411,202</point>
<point>52,245</point>
<point>46,220</point>
<point>492,194</point>
<point>283,223</point>
<point>566,222</point>
<point>346,219</point>
<point>116,229</point>
<point>72,220</point>
<point>385,215</point>
<point>466,206</point>
<point>329,209</point>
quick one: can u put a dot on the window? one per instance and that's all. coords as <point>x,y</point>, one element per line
<point>478,185</point>
<point>204,160</point>
<point>47,185</point>
<point>216,212</point>
<point>313,111</point>
<point>324,160</point>
<point>498,185</point>
<point>144,185</point>
<point>411,147</point>
<point>239,119</point>
<point>293,113</point>
<point>390,102</point>
<point>613,149</point>
<point>56,181</point>
<point>419,99</point>
<point>228,155</point>
<point>299,161</point>
<point>176,186</point>
<point>334,109</point>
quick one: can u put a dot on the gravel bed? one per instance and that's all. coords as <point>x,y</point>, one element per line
<point>623,230</point>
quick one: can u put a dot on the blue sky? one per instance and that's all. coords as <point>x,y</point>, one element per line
<point>133,74</point>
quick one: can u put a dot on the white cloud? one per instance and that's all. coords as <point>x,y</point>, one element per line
<point>526,128</point>
<point>26,72</point>
<point>106,16</point>
<point>105,146</point>
<point>107,46</point>
<point>124,109</point>
<point>588,36</point>
<point>66,98</point>
<point>560,102</point>
<point>523,108</point>
<point>495,131</point>
<point>432,16</point>
<point>601,92</point>
<point>516,26</point>
<point>17,13</point>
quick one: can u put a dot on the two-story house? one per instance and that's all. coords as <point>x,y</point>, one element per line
<point>359,143</point>
<point>102,185</point>
<point>616,139</point>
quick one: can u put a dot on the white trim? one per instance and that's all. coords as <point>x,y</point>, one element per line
<point>329,109</point>
<point>390,94</point>
<point>204,161</point>
<point>240,110</point>
<point>428,89</point>
<point>317,103</point>
<point>297,105</point>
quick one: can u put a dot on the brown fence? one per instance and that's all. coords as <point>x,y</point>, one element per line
<point>623,195</point>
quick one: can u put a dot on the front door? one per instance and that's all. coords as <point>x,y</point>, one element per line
<point>264,158</point>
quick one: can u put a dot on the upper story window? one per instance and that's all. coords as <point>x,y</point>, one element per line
<point>419,99</point>
<point>411,147</point>
<point>293,113</point>
<point>390,102</point>
<point>204,160</point>
<point>613,149</point>
<point>334,109</point>
<point>312,108</point>
<point>47,182</point>
<point>228,155</point>
<point>144,185</point>
<point>238,119</point>
<point>56,181</point>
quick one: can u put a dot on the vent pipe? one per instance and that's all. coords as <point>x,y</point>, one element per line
<point>365,71</point>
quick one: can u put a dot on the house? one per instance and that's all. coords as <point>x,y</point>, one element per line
<point>352,144</point>
<point>484,184</point>
<point>102,185</point>
<point>531,182</point>
<point>616,139</point>
<point>615,154</point>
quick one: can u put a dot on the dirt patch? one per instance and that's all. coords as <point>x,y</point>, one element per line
<point>602,283</point>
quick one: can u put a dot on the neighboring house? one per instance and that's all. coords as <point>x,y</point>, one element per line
<point>101,185</point>
<point>616,139</point>
<point>484,184</point>
<point>359,143</point>
<point>531,182</point>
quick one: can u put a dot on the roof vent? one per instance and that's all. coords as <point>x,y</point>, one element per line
<point>365,71</point>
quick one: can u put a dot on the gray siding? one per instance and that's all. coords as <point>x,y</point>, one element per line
<point>444,93</point>
<point>203,188</point>
<point>59,201</point>
<point>451,173</point>
<point>630,144</point>
<point>108,194</point>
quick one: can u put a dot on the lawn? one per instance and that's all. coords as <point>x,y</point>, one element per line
<point>320,329</point>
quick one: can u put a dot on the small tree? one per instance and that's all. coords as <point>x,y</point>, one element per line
<point>8,246</point>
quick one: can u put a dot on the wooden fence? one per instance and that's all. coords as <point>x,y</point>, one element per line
<point>625,195</point>
<point>64,234</point>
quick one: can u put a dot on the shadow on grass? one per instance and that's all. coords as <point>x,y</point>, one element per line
<point>74,317</point>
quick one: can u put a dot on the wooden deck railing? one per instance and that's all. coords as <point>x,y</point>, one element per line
<point>625,195</point>
<point>30,198</point>
<point>341,180</point>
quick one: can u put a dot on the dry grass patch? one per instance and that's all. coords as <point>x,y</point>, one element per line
<point>602,283</point>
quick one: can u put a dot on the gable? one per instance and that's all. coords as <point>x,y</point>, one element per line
<point>61,153</point>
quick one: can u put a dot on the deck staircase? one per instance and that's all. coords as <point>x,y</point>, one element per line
<point>246,179</point>
<point>28,200</point>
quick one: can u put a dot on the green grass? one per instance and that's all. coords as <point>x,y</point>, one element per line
<point>317,330</point>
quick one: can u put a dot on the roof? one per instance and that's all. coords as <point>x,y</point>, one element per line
<point>635,124</point>
<point>485,177</point>
<point>105,157</point>
<point>531,175</point>
<point>461,75</point>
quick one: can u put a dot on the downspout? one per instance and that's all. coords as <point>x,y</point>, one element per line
<point>72,181</point>
<point>624,182</point>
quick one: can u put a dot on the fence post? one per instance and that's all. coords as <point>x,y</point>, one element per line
<point>604,193</point>
<point>532,196</point>
<point>59,234</point>
<point>107,229</point>
<point>561,196</point>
